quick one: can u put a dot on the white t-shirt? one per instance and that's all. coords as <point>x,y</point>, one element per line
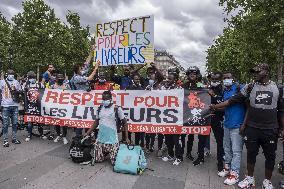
<point>107,125</point>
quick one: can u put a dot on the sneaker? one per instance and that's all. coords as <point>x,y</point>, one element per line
<point>232,179</point>
<point>190,157</point>
<point>168,158</point>
<point>206,152</point>
<point>28,139</point>
<point>50,137</point>
<point>43,137</point>
<point>225,172</point>
<point>247,182</point>
<point>160,153</point>
<point>267,184</point>
<point>151,149</point>
<point>5,143</point>
<point>177,161</point>
<point>85,163</point>
<point>16,141</point>
<point>281,184</point>
<point>65,141</point>
<point>57,139</point>
<point>198,161</point>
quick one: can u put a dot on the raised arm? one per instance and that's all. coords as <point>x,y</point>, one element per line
<point>94,72</point>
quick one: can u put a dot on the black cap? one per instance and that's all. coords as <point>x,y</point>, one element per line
<point>260,67</point>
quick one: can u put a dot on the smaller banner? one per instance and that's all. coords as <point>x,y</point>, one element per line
<point>127,41</point>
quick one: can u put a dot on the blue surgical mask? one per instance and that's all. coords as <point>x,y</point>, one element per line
<point>10,77</point>
<point>106,103</point>
<point>32,81</point>
<point>228,82</point>
<point>151,82</point>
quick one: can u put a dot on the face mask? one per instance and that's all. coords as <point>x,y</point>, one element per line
<point>60,81</point>
<point>151,82</point>
<point>106,103</point>
<point>102,80</point>
<point>215,84</point>
<point>32,81</point>
<point>228,82</point>
<point>10,77</point>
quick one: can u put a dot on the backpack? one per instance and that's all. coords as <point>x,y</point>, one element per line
<point>130,159</point>
<point>72,84</point>
<point>118,121</point>
<point>80,152</point>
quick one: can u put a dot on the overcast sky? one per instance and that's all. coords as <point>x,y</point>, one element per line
<point>185,28</point>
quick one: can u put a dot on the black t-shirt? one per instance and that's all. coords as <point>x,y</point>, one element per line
<point>265,104</point>
<point>218,115</point>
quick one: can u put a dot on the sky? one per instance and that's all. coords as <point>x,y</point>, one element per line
<point>185,28</point>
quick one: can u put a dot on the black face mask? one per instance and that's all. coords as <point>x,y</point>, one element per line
<point>60,81</point>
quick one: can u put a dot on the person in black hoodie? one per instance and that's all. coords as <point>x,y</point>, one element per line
<point>136,85</point>
<point>193,74</point>
<point>173,140</point>
<point>216,93</point>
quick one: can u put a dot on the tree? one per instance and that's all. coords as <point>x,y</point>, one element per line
<point>39,38</point>
<point>5,32</point>
<point>257,29</point>
<point>78,46</point>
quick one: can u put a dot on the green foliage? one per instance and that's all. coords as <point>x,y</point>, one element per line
<point>39,38</point>
<point>254,35</point>
<point>5,32</point>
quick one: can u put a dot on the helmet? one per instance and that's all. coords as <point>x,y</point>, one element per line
<point>193,69</point>
<point>31,74</point>
<point>173,70</point>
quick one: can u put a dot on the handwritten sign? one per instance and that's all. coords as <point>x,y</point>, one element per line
<point>127,41</point>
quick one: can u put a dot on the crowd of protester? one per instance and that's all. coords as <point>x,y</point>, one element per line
<point>250,114</point>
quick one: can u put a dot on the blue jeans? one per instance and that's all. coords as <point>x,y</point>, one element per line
<point>8,113</point>
<point>30,129</point>
<point>233,147</point>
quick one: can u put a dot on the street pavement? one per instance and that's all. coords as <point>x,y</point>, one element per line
<point>43,164</point>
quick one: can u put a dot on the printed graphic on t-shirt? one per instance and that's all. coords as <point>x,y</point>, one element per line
<point>263,97</point>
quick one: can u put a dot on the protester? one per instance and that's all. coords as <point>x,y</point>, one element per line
<point>260,127</point>
<point>233,141</point>
<point>107,140</point>
<point>154,84</point>
<point>59,84</point>
<point>136,85</point>
<point>216,93</point>
<point>10,89</point>
<point>80,81</point>
<point>47,77</point>
<point>124,81</point>
<point>152,70</point>
<point>102,83</point>
<point>193,73</point>
<point>30,87</point>
<point>173,140</point>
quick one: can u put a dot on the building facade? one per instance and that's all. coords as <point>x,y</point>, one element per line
<point>164,60</point>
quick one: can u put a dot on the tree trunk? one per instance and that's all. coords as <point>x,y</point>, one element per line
<point>280,60</point>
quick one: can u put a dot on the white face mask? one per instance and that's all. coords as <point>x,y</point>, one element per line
<point>106,103</point>
<point>151,82</point>
<point>228,82</point>
<point>215,84</point>
<point>10,77</point>
<point>32,81</point>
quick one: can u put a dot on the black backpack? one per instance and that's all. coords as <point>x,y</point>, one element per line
<point>81,152</point>
<point>118,121</point>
